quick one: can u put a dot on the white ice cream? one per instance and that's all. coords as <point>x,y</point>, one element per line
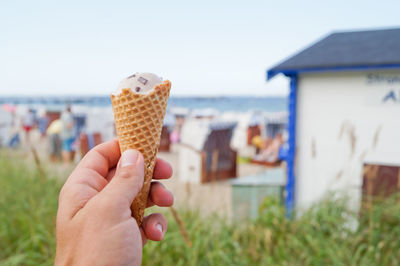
<point>139,83</point>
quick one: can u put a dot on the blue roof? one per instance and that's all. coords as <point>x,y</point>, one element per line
<point>345,50</point>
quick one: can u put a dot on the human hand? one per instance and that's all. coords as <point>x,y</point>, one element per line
<point>94,222</point>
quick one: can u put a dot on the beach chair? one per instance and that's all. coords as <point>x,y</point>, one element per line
<point>205,154</point>
<point>165,142</point>
<point>88,142</point>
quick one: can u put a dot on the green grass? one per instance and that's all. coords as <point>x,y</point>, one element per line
<point>28,207</point>
<point>322,236</point>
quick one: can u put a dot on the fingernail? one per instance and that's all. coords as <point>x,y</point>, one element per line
<point>159,228</point>
<point>129,157</point>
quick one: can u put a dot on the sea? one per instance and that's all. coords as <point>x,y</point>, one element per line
<point>222,104</point>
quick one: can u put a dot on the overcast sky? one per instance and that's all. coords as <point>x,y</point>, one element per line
<point>204,47</point>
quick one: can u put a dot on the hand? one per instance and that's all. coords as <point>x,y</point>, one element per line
<point>94,223</point>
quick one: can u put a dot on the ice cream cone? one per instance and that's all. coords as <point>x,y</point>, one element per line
<point>138,122</point>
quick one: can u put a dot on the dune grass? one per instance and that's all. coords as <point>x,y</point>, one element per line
<point>28,206</point>
<point>325,235</point>
<point>322,236</point>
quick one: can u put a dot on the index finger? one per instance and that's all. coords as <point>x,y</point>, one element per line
<point>162,170</point>
<point>102,158</point>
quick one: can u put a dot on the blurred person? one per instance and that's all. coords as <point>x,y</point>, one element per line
<point>175,135</point>
<point>9,128</point>
<point>94,223</point>
<point>53,135</point>
<point>43,122</point>
<point>271,152</point>
<point>28,123</point>
<point>67,135</point>
<point>14,140</point>
<point>258,142</point>
<point>176,131</point>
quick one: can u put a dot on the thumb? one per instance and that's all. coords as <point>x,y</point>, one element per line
<point>128,179</point>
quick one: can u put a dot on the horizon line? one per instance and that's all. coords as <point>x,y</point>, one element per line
<point>172,96</point>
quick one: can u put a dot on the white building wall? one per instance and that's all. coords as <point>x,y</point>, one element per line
<point>342,122</point>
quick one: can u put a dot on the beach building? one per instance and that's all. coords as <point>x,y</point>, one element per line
<point>344,117</point>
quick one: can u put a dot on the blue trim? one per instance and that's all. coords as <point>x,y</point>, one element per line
<point>290,72</point>
<point>291,155</point>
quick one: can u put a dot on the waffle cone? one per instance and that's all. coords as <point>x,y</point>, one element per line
<point>138,122</point>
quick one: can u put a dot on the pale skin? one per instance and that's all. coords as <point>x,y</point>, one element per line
<point>94,222</point>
